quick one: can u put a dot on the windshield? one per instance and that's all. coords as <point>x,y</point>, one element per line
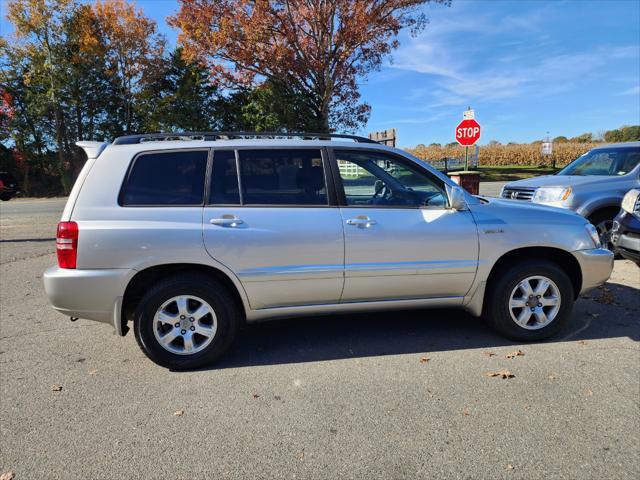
<point>605,161</point>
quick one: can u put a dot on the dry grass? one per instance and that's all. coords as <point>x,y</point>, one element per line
<point>501,155</point>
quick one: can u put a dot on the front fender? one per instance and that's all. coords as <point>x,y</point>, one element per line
<point>588,208</point>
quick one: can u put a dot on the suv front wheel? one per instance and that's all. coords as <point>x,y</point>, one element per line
<point>528,301</point>
<point>186,322</point>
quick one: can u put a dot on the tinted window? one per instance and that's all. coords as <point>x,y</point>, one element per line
<point>611,161</point>
<point>375,178</point>
<point>282,177</point>
<point>170,178</point>
<point>224,179</point>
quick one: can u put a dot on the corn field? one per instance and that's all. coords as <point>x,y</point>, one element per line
<point>502,155</point>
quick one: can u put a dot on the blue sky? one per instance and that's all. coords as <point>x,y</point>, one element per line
<point>526,67</point>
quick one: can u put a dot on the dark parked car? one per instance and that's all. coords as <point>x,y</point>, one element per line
<point>625,232</point>
<point>7,186</point>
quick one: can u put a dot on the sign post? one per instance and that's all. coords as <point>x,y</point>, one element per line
<point>467,134</point>
<point>546,149</point>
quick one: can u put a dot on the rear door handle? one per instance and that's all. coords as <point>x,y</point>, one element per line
<point>226,221</point>
<point>361,221</point>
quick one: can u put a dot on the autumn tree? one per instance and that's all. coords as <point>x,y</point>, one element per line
<point>314,51</point>
<point>133,50</point>
<point>180,96</point>
<point>72,71</point>
<point>39,36</point>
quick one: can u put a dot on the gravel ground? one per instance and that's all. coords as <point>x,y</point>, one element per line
<point>395,395</point>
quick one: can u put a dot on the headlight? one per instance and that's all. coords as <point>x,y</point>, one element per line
<point>593,233</point>
<point>551,195</point>
<point>631,202</point>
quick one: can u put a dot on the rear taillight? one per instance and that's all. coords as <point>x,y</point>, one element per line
<point>67,244</point>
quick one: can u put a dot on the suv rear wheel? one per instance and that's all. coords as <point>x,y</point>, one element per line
<point>186,322</point>
<point>530,300</point>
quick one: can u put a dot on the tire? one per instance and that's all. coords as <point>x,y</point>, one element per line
<point>202,293</point>
<point>498,311</point>
<point>5,197</point>
<point>603,221</point>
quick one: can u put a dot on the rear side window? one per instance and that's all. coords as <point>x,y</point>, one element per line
<point>166,178</point>
<point>282,177</point>
<point>224,179</point>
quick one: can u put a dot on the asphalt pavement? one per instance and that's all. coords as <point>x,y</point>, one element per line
<point>391,395</point>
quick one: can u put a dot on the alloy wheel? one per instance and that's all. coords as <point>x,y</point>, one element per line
<point>185,325</point>
<point>604,232</point>
<point>534,303</point>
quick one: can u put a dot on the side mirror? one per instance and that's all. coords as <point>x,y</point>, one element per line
<point>456,198</point>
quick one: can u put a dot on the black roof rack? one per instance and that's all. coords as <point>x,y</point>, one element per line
<point>212,136</point>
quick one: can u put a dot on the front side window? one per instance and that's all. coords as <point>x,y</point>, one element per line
<point>604,162</point>
<point>166,178</point>
<point>379,179</point>
<point>282,177</point>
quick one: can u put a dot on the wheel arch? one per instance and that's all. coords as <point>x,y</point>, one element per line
<point>562,258</point>
<point>141,280</point>
<point>608,209</point>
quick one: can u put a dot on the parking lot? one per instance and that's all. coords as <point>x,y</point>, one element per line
<point>389,395</point>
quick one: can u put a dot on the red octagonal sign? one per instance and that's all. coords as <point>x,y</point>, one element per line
<point>468,132</point>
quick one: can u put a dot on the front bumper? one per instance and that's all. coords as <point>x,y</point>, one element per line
<point>596,265</point>
<point>91,294</point>
<point>625,235</point>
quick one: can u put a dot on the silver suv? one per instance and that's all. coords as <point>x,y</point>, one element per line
<point>593,185</point>
<point>188,236</point>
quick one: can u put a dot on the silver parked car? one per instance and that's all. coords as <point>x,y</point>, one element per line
<point>593,185</point>
<point>187,236</point>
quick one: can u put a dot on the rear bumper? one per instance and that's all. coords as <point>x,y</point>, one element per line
<point>91,294</point>
<point>596,266</point>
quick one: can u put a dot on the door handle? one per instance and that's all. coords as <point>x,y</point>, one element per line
<point>226,221</point>
<point>361,221</point>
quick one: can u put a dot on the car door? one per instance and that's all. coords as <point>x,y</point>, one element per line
<point>401,239</point>
<point>270,220</point>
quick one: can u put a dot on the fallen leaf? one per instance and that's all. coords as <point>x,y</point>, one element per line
<point>606,297</point>
<point>465,413</point>
<point>509,467</point>
<point>93,371</point>
<point>502,374</point>
<point>588,392</point>
<point>255,395</point>
<point>56,388</point>
<point>301,455</point>
<point>517,353</point>
<point>424,359</point>
<point>582,342</point>
<point>178,413</point>
<point>526,407</point>
<point>489,354</point>
<point>552,376</point>
<point>7,476</point>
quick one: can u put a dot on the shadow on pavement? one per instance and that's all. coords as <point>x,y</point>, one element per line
<point>337,337</point>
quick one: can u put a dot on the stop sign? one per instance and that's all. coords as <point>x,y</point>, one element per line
<point>468,132</point>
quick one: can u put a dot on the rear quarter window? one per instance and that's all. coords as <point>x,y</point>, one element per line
<point>166,178</point>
